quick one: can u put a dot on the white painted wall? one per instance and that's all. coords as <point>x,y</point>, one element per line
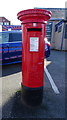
<point>52,38</point>
<point>56,40</point>
<point>64,44</point>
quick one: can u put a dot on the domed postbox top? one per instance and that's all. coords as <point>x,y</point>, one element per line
<point>34,15</point>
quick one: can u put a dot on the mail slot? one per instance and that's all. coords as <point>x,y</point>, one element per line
<point>34,29</point>
<point>33,34</point>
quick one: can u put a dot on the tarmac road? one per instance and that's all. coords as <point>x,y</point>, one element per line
<point>53,105</point>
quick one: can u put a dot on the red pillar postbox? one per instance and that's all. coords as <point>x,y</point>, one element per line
<point>33,34</point>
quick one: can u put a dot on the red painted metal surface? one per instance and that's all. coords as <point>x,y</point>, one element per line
<point>34,15</point>
<point>33,34</point>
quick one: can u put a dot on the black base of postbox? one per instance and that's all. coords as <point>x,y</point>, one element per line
<point>31,96</point>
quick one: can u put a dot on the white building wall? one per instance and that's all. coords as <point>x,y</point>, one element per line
<point>58,38</point>
<point>58,42</point>
<point>52,38</point>
<point>65,39</point>
<point>64,45</point>
<point>53,34</point>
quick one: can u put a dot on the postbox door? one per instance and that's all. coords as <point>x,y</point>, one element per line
<point>33,58</point>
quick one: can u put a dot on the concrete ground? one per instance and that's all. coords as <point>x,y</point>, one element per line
<point>53,105</point>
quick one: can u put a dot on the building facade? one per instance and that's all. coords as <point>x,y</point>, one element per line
<point>58,36</point>
<point>4,21</point>
<point>11,27</point>
<point>58,29</point>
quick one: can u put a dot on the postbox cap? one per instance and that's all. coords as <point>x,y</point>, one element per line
<point>34,15</point>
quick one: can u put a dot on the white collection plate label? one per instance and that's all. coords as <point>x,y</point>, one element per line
<point>34,43</point>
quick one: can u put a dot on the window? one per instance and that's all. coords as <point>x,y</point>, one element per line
<point>56,28</point>
<point>65,32</point>
<point>59,28</point>
<point>7,23</point>
<point>48,33</point>
<point>15,37</point>
<point>4,23</point>
<point>1,23</point>
<point>4,37</point>
<point>10,37</point>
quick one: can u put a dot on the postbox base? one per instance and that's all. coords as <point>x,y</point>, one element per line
<point>31,96</point>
